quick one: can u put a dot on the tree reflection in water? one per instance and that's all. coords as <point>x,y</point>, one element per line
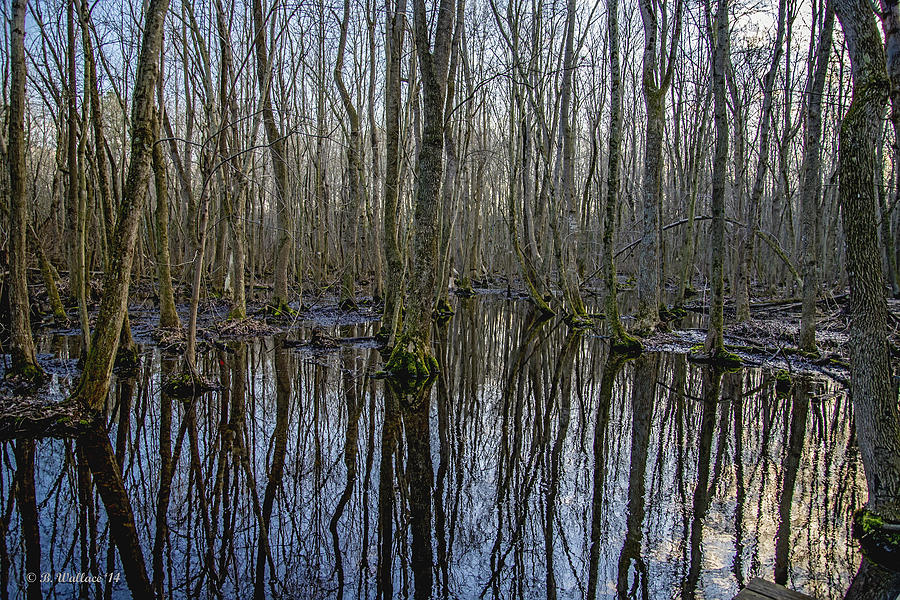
<point>535,465</point>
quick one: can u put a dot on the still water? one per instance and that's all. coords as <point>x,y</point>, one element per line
<point>534,467</point>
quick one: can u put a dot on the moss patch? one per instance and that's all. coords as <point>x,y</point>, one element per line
<point>411,363</point>
<point>185,386</point>
<point>721,359</point>
<point>674,313</point>
<point>783,382</point>
<point>280,310</point>
<point>578,322</point>
<point>880,541</point>
<point>464,288</point>
<point>626,344</point>
<point>26,378</point>
<point>442,311</point>
<point>127,359</point>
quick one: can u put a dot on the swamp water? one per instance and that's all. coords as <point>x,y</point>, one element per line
<point>534,467</point>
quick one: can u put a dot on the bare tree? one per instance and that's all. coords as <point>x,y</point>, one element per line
<point>811,187</point>
<point>656,78</point>
<point>412,356</point>
<point>876,413</point>
<point>24,362</point>
<point>721,33</point>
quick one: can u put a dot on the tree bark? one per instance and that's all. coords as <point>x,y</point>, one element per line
<point>277,151</point>
<point>393,257</point>
<point>876,414</point>
<point>24,361</point>
<point>168,315</point>
<point>811,187</point>
<point>714,345</point>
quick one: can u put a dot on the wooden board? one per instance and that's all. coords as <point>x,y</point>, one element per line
<point>760,589</point>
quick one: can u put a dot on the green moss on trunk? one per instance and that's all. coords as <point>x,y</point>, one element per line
<point>625,344</point>
<point>411,362</point>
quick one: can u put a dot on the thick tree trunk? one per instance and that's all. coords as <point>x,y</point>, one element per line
<point>876,413</point>
<point>414,346</point>
<point>24,362</point>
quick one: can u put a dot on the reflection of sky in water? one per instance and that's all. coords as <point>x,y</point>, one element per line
<point>481,358</point>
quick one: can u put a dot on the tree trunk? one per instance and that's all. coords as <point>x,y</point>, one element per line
<point>656,78</point>
<point>277,151</point>
<point>811,187</point>
<point>354,169</point>
<point>714,345</point>
<point>94,382</point>
<point>876,414</point>
<point>393,257</point>
<point>24,362</point>
<point>415,341</point>
<point>168,316</point>
<point>611,304</point>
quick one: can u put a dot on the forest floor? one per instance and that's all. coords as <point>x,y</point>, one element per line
<point>768,340</point>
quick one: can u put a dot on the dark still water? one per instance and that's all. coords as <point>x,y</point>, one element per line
<point>535,467</point>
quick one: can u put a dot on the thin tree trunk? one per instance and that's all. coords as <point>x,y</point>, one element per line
<point>714,345</point>
<point>811,187</point>
<point>277,151</point>
<point>393,257</point>
<point>354,169</point>
<point>24,362</point>
<point>619,339</point>
<point>168,316</point>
